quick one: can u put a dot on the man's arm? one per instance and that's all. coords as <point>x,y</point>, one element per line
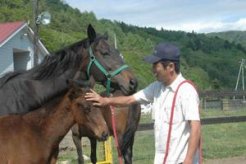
<point>193,142</point>
<point>103,101</point>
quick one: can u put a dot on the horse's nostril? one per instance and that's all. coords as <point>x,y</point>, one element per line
<point>133,84</point>
<point>132,81</point>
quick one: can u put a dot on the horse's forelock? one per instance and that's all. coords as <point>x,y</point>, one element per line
<point>8,76</point>
<point>100,37</point>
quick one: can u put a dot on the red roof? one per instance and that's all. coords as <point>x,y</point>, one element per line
<point>7,29</point>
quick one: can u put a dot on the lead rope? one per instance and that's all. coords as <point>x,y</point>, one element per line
<point>171,122</point>
<point>120,158</point>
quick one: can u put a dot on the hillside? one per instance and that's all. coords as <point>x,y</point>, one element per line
<point>238,37</point>
<point>211,62</point>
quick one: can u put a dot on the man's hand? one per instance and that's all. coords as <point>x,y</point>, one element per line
<point>95,98</point>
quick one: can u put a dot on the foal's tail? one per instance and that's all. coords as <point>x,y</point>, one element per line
<point>132,125</point>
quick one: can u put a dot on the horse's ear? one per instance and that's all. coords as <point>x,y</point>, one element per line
<point>91,33</point>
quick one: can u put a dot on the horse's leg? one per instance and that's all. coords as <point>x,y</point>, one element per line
<point>127,152</point>
<point>77,142</point>
<point>129,134</point>
<point>93,150</point>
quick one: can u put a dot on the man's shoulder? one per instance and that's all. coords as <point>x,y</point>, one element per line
<point>156,85</point>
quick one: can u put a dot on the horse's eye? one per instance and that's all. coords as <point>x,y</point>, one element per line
<point>105,51</point>
<point>105,54</point>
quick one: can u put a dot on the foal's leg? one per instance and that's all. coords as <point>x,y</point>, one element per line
<point>54,155</point>
<point>77,142</point>
<point>93,150</point>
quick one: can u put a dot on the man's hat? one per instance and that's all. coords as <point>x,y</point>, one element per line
<point>164,51</point>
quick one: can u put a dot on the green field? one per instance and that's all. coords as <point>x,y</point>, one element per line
<point>219,140</point>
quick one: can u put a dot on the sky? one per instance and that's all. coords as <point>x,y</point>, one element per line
<point>200,16</point>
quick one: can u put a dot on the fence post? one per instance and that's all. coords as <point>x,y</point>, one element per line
<point>225,104</point>
<point>204,103</point>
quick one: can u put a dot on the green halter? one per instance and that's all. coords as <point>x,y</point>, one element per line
<point>108,75</point>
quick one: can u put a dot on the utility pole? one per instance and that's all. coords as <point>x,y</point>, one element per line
<point>241,74</point>
<point>35,30</point>
<point>38,19</point>
<point>115,45</point>
<point>115,42</point>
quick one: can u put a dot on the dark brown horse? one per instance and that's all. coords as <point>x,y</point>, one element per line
<point>126,118</point>
<point>34,138</point>
<point>25,91</point>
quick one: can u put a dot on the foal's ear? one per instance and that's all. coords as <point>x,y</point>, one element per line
<point>72,83</point>
<point>91,33</point>
<point>75,89</point>
<point>92,82</point>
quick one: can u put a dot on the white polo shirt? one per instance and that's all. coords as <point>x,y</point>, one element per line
<point>186,108</point>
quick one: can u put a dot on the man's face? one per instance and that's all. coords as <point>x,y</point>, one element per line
<point>159,71</point>
<point>163,74</point>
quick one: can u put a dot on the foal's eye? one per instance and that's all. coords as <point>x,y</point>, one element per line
<point>84,106</point>
<point>87,110</point>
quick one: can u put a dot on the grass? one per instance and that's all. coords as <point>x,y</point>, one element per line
<point>219,140</point>
<point>224,140</point>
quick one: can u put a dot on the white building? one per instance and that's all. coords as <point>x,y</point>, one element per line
<point>16,47</point>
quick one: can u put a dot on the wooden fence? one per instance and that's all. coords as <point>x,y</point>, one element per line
<point>222,94</point>
<point>204,121</point>
<point>224,100</point>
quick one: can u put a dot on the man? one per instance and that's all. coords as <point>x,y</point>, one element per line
<point>185,132</point>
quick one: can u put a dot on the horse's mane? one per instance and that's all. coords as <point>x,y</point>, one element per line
<point>8,76</point>
<point>56,64</point>
<point>53,65</point>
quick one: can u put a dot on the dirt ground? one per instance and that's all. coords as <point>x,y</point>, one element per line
<point>233,160</point>
<point>67,145</point>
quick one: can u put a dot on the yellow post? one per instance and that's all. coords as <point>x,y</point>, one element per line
<point>107,152</point>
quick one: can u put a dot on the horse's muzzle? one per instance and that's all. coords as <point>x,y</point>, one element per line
<point>104,136</point>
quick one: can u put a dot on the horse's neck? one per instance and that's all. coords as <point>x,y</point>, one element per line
<point>54,120</point>
<point>50,88</point>
<point>26,95</point>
